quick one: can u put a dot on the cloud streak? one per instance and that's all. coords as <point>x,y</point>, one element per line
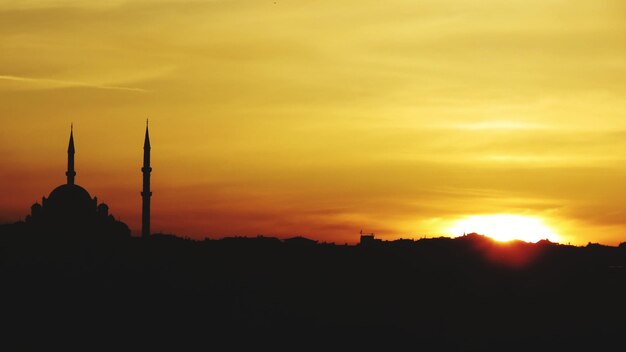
<point>46,83</point>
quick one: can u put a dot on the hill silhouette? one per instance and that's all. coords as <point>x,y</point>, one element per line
<point>466,293</point>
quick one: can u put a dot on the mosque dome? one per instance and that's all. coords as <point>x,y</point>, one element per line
<point>72,194</point>
<point>70,209</point>
<point>70,198</point>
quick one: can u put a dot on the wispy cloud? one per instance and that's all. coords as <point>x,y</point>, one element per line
<point>54,83</point>
<point>501,125</point>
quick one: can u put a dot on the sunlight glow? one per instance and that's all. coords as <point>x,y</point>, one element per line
<point>505,227</point>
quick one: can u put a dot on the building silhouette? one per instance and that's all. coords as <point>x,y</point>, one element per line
<point>146,194</point>
<point>368,239</point>
<point>70,209</point>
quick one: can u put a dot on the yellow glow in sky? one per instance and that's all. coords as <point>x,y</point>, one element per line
<point>505,227</point>
<point>321,117</point>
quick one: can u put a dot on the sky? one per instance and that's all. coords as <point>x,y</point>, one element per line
<point>321,118</point>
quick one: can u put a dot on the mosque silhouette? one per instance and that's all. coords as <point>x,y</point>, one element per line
<point>70,209</point>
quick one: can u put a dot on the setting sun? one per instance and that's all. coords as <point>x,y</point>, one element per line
<point>505,227</point>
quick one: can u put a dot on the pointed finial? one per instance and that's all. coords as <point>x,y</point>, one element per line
<point>71,174</point>
<point>70,147</point>
<point>146,143</point>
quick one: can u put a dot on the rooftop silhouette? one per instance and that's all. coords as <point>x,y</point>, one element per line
<point>466,293</point>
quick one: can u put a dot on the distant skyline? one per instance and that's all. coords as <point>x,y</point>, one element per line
<point>321,118</point>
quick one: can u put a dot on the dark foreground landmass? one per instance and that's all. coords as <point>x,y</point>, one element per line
<point>468,293</point>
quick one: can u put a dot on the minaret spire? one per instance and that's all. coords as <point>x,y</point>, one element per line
<point>146,194</point>
<point>71,174</point>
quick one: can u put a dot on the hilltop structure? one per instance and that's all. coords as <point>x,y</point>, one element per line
<point>70,209</point>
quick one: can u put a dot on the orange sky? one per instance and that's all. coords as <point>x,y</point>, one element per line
<point>321,117</point>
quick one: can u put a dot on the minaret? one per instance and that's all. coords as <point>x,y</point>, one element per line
<point>70,159</point>
<point>146,194</point>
